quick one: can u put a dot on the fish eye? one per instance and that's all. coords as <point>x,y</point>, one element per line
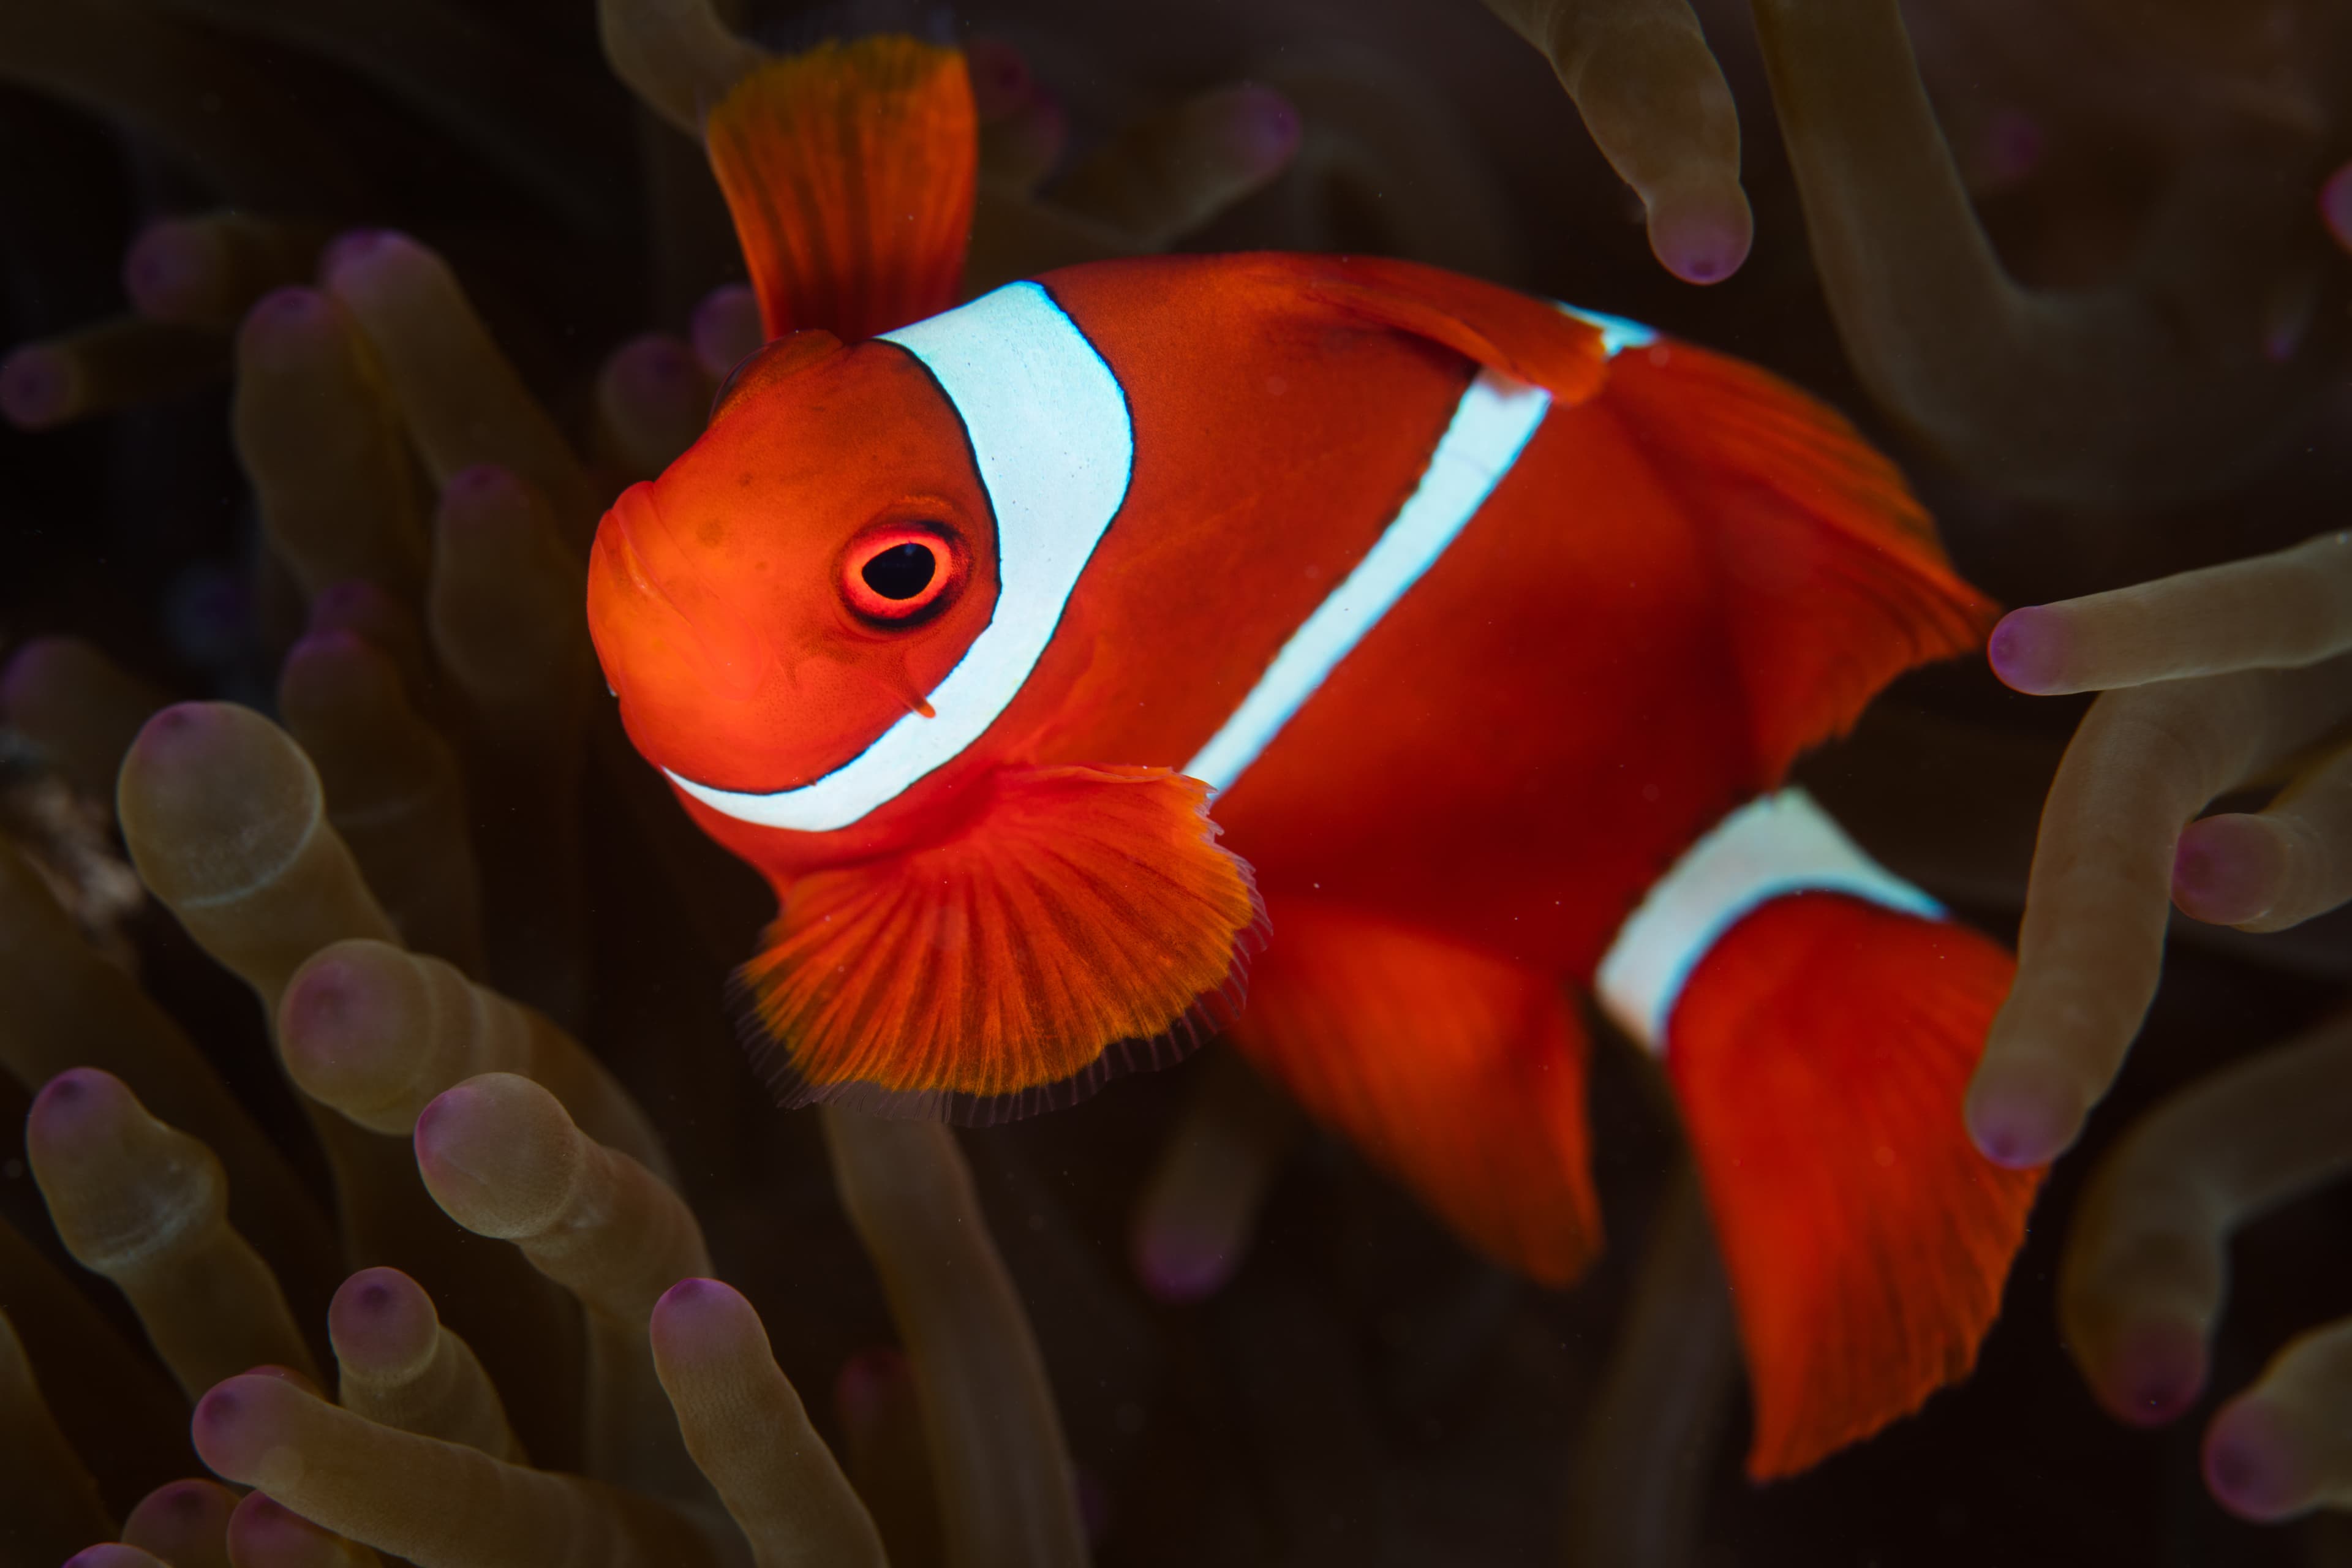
<point>901,572</point>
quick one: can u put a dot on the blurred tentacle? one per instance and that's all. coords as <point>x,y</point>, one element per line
<point>1023,128</point>
<point>98,370</point>
<point>77,705</point>
<point>388,626</point>
<point>1637,1492</point>
<point>2145,761</point>
<point>680,57</point>
<point>1016,235</point>
<point>440,1505</point>
<point>503,1160</point>
<point>66,1006</point>
<point>1386,165</point>
<point>2146,1264</point>
<point>2284,1446</point>
<point>1641,73</point>
<point>208,270</point>
<point>224,817</point>
<point>2271,870</point>
<point>997,1452</point>
<point>2269,612</point>
<point>1166,174</point>
<point>880,1412</point>
<point>114,1554</point>
<point>747,1429</point>
<point>2158,387</point>
<point>500,1155</point>
<point>147,1205</point>
<point>1193,1226</point>
<point>264,1534</point>
<point>506,616</point>
<point>401,1368</point>
<point>391,789</point>
<point>378,1033</point>
<point>726,329</point>
<point>320,442</point>
<point>49,1500</point>
<point>113,1400</point>
<point>184,1522</point>
<point>461,398</point>
<point>653,397</point>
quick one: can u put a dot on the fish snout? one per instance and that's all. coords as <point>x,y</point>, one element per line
<point>664,620</point>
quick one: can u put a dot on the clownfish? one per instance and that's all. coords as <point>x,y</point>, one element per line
<point>1356,660</point>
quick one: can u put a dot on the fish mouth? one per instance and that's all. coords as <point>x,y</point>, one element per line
<point>631,515</point>
<point>674,601</point>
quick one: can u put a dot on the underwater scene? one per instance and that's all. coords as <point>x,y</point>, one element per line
<point>1398,783</point>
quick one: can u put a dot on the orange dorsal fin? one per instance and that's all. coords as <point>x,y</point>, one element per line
<point>1819,1051</point>
<point>1459,1072</point>
<point>850,171</point>
<point>1082,922</point>
<point>1523,337</point>
<point>1833,581</point>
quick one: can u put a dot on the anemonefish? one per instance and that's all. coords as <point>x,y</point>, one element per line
<point>1355,658</point>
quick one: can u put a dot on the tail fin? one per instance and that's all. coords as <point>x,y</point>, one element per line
<point>1820,1050</point>
<point>850,171</point>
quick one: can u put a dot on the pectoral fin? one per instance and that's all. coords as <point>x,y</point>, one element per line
<point>1083,922</point>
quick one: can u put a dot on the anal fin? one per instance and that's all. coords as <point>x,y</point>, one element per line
<point>1819,1051</point>
<point>1081,922</point>
<point>850,170</point>
<point>1461,1072</point>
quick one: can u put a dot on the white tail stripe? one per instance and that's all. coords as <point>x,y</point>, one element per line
<point>1617,333</point>
<point>1773,846</point>
<point>1054,446</point>
<point>1491,426</point>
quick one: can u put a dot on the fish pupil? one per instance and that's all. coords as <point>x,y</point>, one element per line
<point>900,571</point>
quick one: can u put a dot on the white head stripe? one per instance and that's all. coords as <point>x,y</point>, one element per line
<point>1051,435</point>
<point>1617,333</point>
<point>1773,846</point>
<point>1491,426</point>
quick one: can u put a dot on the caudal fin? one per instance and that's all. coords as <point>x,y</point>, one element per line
<point>850,171</point>
<point>1820,1050</point>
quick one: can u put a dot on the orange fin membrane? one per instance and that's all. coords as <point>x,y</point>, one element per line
<point>1820,1050</point>
<point>1833,581</point>
<point>850,171</point>
<point>1082,923</point>
<point>1459,1072</point>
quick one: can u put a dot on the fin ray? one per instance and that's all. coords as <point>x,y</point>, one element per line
<point>850,171</point>
<point>1083,923</point>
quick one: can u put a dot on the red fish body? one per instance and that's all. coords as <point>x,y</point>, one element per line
<point>1054,655</point>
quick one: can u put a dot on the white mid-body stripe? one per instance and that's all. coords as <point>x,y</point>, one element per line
<point>1773,846</point>
<point>1054,445</point>
<point>1491,426</point>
